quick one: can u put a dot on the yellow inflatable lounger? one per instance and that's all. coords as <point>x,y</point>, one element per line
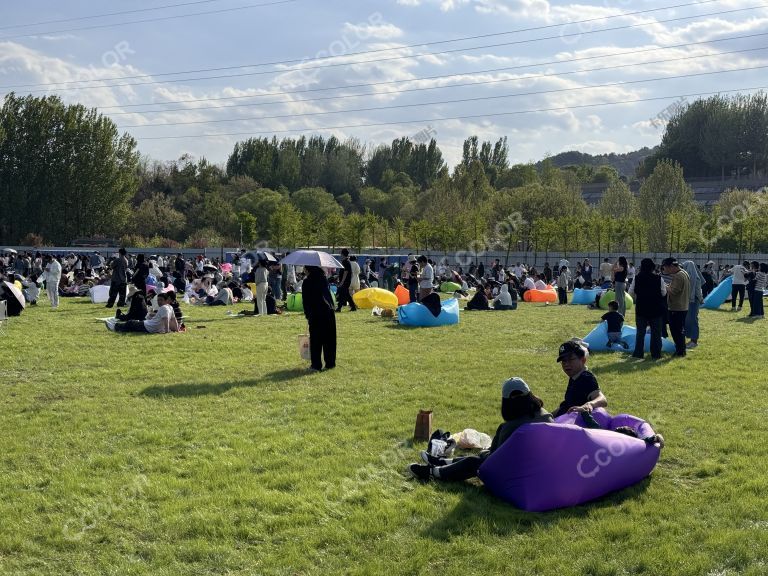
<point>371,297</point>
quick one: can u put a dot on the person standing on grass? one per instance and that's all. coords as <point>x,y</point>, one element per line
<point>354,277</point>
<point>118,284</point>
<point>343,295</point>
<point>141,273</point>
<point>52,279</point>
<point>758,281</point>
<point>606,271</point>
<point>739,272</point>
<point>413,280</point>
<point>562,286</point>
<point>649,292</point>
<point>586,273</point>
<point>583,393</point>
<point>426,278</point>
<point>319,312</point>
<point>262,285</point>
<point>620,283</point>
<point>518,407</point>
<point>696,300</point>
<point>678,298</point>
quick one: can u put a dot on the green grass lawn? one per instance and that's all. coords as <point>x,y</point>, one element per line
<point>215,452</point>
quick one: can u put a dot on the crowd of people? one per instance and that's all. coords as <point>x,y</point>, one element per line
<point>667,297</point>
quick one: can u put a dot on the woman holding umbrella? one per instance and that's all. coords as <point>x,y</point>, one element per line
<point>318,305</point>
<point>319,311</point>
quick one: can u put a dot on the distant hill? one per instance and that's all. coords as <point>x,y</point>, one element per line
<point>624,163</point>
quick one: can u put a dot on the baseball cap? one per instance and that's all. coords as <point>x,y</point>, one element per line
<point>671,261</point>
<point>568,348</point>
<point>514,386</point>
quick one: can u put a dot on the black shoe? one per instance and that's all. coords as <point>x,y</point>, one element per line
<point>331,367</point>
<point>421,472</point>
<point>108,306</point>
<point>432,460</point>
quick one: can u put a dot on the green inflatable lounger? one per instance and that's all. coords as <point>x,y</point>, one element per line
<point>294,302</point>
<point>449,287</point>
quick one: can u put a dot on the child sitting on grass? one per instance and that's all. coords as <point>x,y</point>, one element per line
<point>615,322</point>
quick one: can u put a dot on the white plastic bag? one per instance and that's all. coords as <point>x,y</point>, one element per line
<point>304,347</point>
<point>470,438</point>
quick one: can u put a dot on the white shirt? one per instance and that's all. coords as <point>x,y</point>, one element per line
<point>162,322</point>
<point>529,284</point>
<point>54,271</point>
<point>738,274</point>
<point>427,275</point>
<point>540,285</point>
<point>355,273</point>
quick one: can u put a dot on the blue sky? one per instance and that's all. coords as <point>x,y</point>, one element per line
<point>547,68</point>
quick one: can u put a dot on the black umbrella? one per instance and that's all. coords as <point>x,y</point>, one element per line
<point>15,299</point>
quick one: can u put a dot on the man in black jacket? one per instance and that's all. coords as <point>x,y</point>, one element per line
<point>342,295</point>
<point>649,293</point>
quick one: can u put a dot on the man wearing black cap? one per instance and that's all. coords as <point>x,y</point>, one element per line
<point>678,295</point>
<point>583,393</point>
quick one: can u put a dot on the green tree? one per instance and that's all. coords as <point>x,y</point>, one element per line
<point>65,171</point>
<point>332,230</point>
<point>617,201</point>
<point>665,192</point>
<point>354,231</point>
<point>315,201</point>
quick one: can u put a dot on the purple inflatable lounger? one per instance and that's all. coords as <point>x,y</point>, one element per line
<point>546,466</point>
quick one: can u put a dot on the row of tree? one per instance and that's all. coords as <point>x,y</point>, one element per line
<point>65,172</point>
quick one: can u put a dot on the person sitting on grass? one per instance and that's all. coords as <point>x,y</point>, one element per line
<point>615,321</point>
<point>504,300</point>
<point>138,307</point>
<point>160,322</point>
<point>583,393</point>
<point>518,406</point>
<point>479,300</point>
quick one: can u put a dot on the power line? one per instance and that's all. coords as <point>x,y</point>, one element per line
<point>455,101</point>
<point>146,20</point>
<point>408,80</point>
<point>95,16</point>
<point>422,89</point>
<point>353,54</point>
<point>453,118</point>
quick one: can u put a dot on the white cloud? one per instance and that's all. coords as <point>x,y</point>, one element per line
<point>373,31</point>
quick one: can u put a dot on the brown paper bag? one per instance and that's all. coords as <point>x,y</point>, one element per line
<point>423,426</point>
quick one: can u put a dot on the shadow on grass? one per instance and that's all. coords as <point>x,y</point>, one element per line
<point>629,365</point>
<point>748,319</point>
<point>202,389</point>
<point>480,509</point>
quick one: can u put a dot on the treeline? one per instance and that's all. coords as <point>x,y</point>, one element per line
<point>66,173</point>
<point>718,136</point>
